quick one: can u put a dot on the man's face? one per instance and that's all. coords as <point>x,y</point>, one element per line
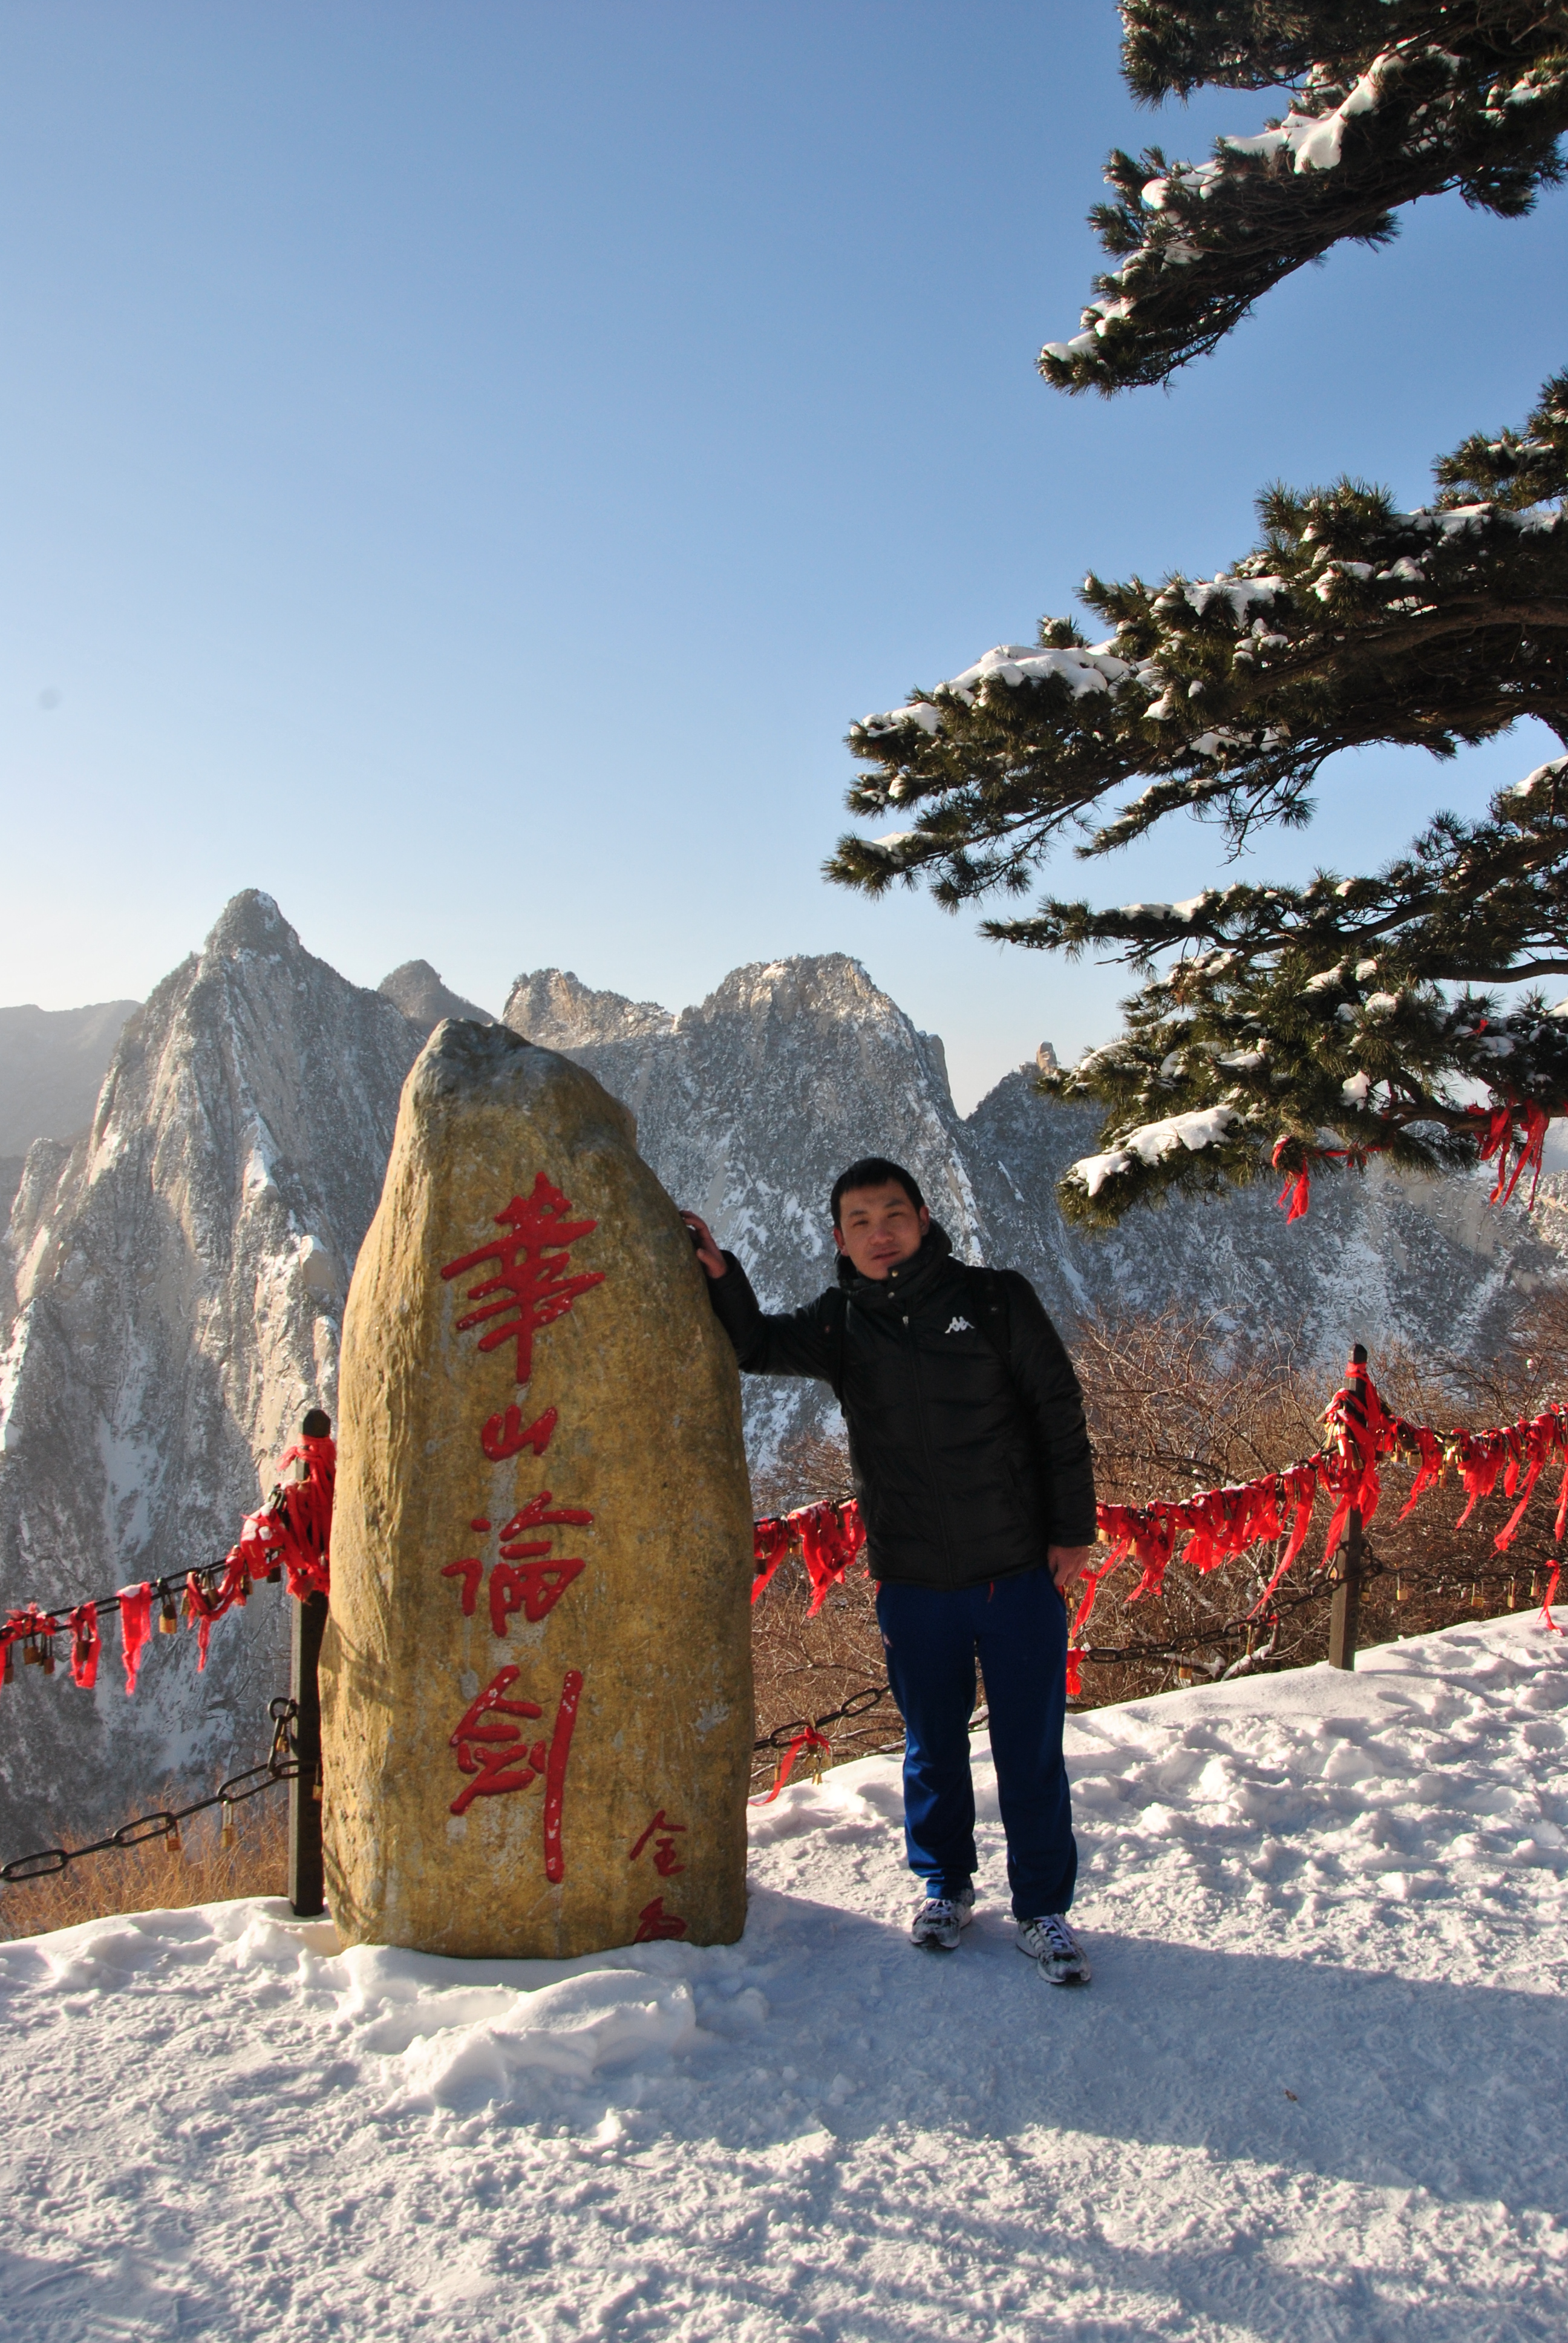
<point>879,1228</point>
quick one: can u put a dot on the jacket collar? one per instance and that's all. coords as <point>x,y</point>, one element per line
<point>914,1276</point>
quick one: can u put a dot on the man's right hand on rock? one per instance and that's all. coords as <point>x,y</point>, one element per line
<point>708,1251</point>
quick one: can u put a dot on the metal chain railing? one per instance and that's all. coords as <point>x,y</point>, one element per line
<point>283,1764</point>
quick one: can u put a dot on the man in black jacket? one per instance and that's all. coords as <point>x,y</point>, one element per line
<point>971,1464</point>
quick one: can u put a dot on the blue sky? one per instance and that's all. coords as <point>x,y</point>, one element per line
<point>466,464</point>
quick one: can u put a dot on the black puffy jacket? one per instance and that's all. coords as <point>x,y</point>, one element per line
<point>967,1468</point>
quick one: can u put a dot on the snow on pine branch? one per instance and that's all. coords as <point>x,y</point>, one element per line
<point>1095,669</point>
<point>1150,1143</point>
<point>1467,94</point>
<point>1351,623</point>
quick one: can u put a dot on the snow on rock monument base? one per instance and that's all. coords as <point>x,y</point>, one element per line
<point>536,1682</point>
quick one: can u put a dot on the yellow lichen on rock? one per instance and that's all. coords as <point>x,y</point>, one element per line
<point>537,1679</point>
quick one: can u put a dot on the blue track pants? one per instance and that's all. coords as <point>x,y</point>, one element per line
<point>1017,1628</point>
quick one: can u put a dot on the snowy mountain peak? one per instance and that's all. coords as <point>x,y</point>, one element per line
<point>827,984</point>
<point>249,921</point>
<point>416,989</point>
<point>558,1010</point>
<point>180,1275</point>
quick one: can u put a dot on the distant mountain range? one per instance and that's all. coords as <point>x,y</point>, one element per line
<point>174,1275</point>
<point>51,1064</point>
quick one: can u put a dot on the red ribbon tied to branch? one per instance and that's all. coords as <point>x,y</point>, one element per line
<point>1497,1141</point>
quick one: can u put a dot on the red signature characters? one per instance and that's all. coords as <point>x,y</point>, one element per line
<point>663,1834</point>
<point>653,1922</point>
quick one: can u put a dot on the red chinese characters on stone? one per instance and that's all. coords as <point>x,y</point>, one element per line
<point>539,1512</point>
<point>653,1922</point>
<point>501,1436</point>
<point>534,1588</point>
<point>520,1581</point>
<point>497,1752</point>
<point>663,1833</point>
<point>492,1748</point>
<point>470,1570</point>
<point>530,1274</point>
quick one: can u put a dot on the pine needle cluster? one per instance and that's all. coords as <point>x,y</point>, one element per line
<point>1389,100</point>
<point>1357,1013</point>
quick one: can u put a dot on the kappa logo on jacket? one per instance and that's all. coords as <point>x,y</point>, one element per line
<point>958,1326</point>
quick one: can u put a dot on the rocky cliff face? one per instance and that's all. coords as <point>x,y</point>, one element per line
<point>749,1105</point>
<point>178,1276</point>
<point>417,991</point>
<point>178,1272</point>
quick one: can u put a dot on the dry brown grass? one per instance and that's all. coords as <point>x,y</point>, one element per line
<point>157,1875</point>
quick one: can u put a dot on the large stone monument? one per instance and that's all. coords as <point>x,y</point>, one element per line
<point>537,1677</point>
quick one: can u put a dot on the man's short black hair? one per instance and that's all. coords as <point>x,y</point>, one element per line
<point>875,1171</point>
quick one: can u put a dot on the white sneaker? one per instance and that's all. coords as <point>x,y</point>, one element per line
<point>1049,1941</point>
<point>940,1919</point>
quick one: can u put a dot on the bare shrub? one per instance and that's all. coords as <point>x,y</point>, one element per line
<point>805,1668</point>
<point>1176,1406</point>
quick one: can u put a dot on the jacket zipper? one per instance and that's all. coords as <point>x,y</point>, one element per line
<point>926,1446</point>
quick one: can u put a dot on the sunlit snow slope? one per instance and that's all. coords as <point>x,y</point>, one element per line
<point>1314,2091</point>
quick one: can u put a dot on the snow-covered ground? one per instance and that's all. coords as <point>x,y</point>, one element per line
<point>1316,2089</point>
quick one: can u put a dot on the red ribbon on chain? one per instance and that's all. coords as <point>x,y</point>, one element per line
<point>1210,1527</point>
<point>23,1626</point>
<point>817,1743</point>
<point>1220,1524</point>
<point>135,1626</point>
<point>82,1625</point>
<point>771,1540</point>
<point>301,1511</point>
<point>826,1536</point>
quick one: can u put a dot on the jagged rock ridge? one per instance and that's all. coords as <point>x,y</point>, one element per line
<point>417,988</point>
<point>178,1280</point>
<point>179,1271</point>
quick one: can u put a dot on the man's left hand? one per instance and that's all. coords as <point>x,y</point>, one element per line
<point>1068,1562</point>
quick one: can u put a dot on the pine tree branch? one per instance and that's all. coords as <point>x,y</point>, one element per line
<point>1346,1014</point>
<point>1393,100</point>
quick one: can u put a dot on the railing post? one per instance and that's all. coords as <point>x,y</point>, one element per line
<point>1345,1608</point>
<point>307,1880</point>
